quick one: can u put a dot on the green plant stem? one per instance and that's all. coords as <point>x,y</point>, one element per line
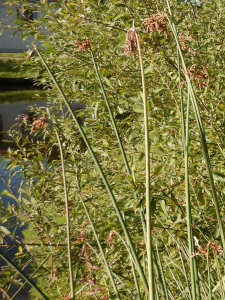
<point>209,277</point>
<point>104,179</point>
<point>147,170</point>
<point>121,149</point>
<point>101,250</point>
<point>67,216</point>
<point>185,272</point>
<point>111,114</point>
<point>200,129</point>
<point>163,276</point>
<point>188,203</point>
<point>114,274</point>
<point>22,286</point>
<point>22,274</point>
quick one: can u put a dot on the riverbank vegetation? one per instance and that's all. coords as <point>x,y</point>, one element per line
<point>132,205</point>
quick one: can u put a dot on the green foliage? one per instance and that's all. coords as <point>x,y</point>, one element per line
<point>41,197</point>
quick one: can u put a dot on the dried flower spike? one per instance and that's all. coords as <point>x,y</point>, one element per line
<point>198,76</point>
<point>83,45</point>
<point>131,42</point>
<point>30,53</point>
<point>157,22</point>
<point>183,41</point>
<point>38,124</point>
<point>24,118</point>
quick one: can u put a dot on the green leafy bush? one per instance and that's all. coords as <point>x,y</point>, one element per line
<point>183,65</point>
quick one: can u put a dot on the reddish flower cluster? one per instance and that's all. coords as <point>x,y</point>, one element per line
<point>24,118</point>
<point>131,42</point>
<point>91,281</point>
<point>205,251</point>
<point>217,248</point>
<point>38,124</point>
<point>83,45</point>
<point>183,40</point>
<point>198,76</point>
<point>30,53</point>
<point>110,237</point>
<point>157,22</point>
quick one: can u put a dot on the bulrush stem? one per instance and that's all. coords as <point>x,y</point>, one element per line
<point>111,114</point>
<point>147,170</point>
<point>25,277</point>
<point>200,129</point>
<point>67,217</point>
<point>102,175</point>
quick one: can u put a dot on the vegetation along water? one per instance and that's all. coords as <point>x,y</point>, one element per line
<point>131,204</point>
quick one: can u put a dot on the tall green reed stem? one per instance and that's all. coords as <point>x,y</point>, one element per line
<point>102,175</point>
<point>147,187</point>
<point>111,114</point>
<point>67,216</point>
<point>187,195</point>
<point>22,274</point>
<point>121,149</point>
<point>22,286</point>
<point>209,277</point>
<point>200,127</point>
<point>101,250</point>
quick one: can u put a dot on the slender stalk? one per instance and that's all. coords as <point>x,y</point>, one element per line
<point>219,275</point>
<point>147,170</point>
<point>104,179</point>
<point>111,115</point>
<point>67,217</point>
<point>114,274</point>
<point>187,190</point>
<point>22,274</point>
<point>200,129</point>
<point>121,149</point>
<point>135,280</point>
<point>163,276</point>
<point>185,273</point>
<point>133,270</point>
<point>22,286</point>
<point>188,202</point>
<point>209,277</point>
<point>101,250</point>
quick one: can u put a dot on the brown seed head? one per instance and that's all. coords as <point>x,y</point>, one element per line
<point>217,248</point>
<point>38,124</point>
<point>198,76</point>
<point>30,53</point>
<point>131,42</point>
<point>83,45</point>
<point>157,22</point>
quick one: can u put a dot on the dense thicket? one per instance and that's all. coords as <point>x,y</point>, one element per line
<point>60,31</point>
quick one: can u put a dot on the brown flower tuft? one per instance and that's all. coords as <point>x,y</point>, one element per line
<point>83,45</point>
<point>110,237</point>
<point>157,22</point>
<point>24,118</point>
<point>38,124</point>
<point>131,42</point>
<point>198,76</point>
<point>217,248</point>
<point>183,41</point>
<point>30,53</point>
